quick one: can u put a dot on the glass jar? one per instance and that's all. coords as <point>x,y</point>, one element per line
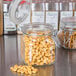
<point>67,33</point>
<point>39,46</point>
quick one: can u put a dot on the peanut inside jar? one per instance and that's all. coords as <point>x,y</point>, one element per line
<point>72,42</point>
<point>70,39</point>
<point>67,33</point>
<point>39,48</point>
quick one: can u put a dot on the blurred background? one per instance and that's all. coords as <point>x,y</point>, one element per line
<point>49,11</point>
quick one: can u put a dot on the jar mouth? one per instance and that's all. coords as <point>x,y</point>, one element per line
<point>68,27</point>
<point>69,23</point>
<point>37,29</point>
<point>69,20</point>
<point>35,34</point>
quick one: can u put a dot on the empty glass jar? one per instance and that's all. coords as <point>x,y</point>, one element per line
<point>67,34</point>
<point>39,46</point>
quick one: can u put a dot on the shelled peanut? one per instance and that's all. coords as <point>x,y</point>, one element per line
<point>39,48</point>
<point>67,40</point>
<point>24,69</point>
<point>72,42</point>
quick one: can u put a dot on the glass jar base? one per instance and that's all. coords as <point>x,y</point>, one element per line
<point>67,48</point>
<point>41,65</point>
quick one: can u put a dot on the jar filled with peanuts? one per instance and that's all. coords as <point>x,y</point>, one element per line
<point>39,46</point>
<point>67,33</point>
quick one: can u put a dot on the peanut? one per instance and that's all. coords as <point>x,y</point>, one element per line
<point>24,69</point>
<point>39,49</point>
<point>67,40</point>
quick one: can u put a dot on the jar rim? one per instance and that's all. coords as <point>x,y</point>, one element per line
<point>35,28</point>
<point>69,23</point>
<point>69,20</point>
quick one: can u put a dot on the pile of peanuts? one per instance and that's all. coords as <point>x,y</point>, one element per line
<point>39,48</point>
<point>24,69</point>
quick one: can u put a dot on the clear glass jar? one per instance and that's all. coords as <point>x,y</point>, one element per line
<point>67,33</point>
<point>39,46</point>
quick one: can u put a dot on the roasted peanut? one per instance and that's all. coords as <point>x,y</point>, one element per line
<point>24,69</point>
<point>67,40</point>
<point>39,49</point>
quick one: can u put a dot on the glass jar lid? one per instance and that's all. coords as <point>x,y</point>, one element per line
<point>68,23</point>
<point>37,29</point>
